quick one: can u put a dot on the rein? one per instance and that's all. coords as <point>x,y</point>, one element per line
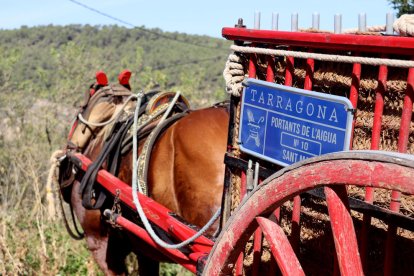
<point>77,234</point>
<point>113,119</point>
<point>56,160</point>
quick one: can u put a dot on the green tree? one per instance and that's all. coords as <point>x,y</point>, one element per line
<point>403,6</point>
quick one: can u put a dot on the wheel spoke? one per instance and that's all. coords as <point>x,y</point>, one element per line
<point>281,248</point>
<point>257,251</point>
<point>239,265</point>
<point>343,231</point>
<point>295,235</point>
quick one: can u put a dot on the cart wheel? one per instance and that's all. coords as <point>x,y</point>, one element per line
<point>333,172</point>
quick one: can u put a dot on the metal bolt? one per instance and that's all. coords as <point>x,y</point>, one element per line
<point>257,20</point>
<point>362,22</point>
<point>240,24</point>
<point>294,22</point>
<point>315,21</point>
<point>390,21</point>
<point>338,24</point>
<point>275,21</point>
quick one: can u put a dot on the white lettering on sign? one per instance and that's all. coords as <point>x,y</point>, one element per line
<point>279,102</point>
<point>261,98</point>
<point>270,100</point>
<point>253,92</point>
<point>285,125</point>
<point>333,116</point>
<point>291,156</point>
<point>323,135</point>
<point>314,133</point>
<point>299,107</point>
<point>287,104</point>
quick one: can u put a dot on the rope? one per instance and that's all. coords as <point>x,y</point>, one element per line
<point>54,161</point>
<point>93,124</point>
<point>326,57</point>
<point>370,29</point>
<point>140,210</point>
<point>405,25</point>
<point>233,74</point>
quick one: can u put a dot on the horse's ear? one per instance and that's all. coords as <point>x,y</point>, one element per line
<point>124,77</point>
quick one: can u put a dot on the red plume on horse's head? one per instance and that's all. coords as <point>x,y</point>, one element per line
<point>101,78</point>
<point>124,77</point>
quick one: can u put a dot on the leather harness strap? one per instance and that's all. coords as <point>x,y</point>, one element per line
<point>145,156</point>
<point>88,189</point>
<point>92,195</point>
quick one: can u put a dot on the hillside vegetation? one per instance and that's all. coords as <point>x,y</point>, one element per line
<point>43,74</point>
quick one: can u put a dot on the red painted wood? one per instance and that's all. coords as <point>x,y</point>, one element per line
<point>281,248</point>
<point>343,231</point>
<point>156,213</point>
<point>295,235</point>
<point>239,265</point>
<point>375,142</point>
<point>390,242</point>
<point>290,61</point>
<point>310,67</point>
<point>252,66</point>
<point>406,113</point>
<point>174,254</point>
<point>257,252</point>
<point>270,75</point>
<point>349,42</point>
<point>354,92</point>
<point>353,97</point>
<point>402,147</point>
<point>285,184</point>
<point>366,224</point>
<point>277,214</point>
<point>379,107</point>
<point>356,77</point>
<point>243,187</point>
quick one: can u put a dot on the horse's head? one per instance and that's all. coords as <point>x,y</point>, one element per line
<point>101,104</point>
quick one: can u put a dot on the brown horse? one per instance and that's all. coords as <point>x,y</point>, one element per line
<point>186,174</point>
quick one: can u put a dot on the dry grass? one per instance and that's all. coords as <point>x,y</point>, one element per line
<point>32,244</point>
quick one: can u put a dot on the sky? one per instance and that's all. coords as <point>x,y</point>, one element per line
<point>206,17</point>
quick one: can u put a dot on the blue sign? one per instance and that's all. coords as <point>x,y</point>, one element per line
<point>285,125</point>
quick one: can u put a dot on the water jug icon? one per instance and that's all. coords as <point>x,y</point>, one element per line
<point>254,128</point>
